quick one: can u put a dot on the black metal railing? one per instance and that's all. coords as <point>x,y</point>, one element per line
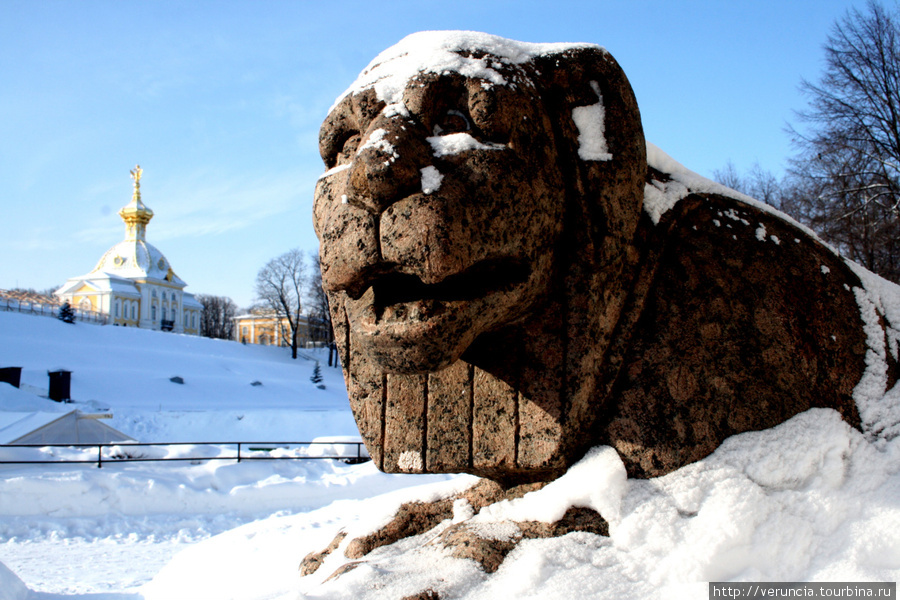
<point>51,310</point>
<point>123,452</point>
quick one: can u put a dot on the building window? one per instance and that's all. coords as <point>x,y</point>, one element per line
<point>153,312</point>
<point>132,311</point>
<point>117,309</point>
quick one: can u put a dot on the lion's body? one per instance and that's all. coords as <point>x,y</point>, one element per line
<point>739,322</point>
<point>516,276</point>
<point>502,302</point>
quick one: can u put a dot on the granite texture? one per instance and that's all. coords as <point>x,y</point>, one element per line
<point>524,308</point>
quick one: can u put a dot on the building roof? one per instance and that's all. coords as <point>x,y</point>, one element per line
<point>100,282</point>
<point>188,301</point>
<point>73,427</point>
<point>14,425</point>
<point>133,259</point>
<point>137,259</point>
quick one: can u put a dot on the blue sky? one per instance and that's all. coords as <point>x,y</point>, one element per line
<point>220,103</point>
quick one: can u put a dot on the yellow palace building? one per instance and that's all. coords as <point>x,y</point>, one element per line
<point>265,327</point>
<point>133,283</point>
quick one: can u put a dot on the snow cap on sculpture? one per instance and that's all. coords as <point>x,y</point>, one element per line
<point>468,53</point>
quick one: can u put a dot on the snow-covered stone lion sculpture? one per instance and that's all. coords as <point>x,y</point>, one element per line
<point>515,276</point>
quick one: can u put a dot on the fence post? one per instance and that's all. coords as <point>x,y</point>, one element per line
<point>239,451</point>
<point>100,456</point>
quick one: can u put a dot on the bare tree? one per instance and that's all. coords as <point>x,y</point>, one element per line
<point>729,177</point>
<point>764,186</point>
<point>49,293</point>
<point>279,286</point>
<point>217,318</point>
<point>757,183</point>
<point>846,176</point>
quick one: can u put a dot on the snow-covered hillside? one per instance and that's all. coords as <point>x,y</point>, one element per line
<point>77,529</point>
<point>128,371</point>
<point>810,500</point>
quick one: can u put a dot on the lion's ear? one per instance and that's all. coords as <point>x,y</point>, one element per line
<point>599,138</point>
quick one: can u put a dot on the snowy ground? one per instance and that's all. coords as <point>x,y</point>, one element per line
<point>78,530</point>
<point>75,529</point>
<point>129,370</point>
<point>809,500</point>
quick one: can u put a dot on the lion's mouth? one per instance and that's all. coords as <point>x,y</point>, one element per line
<point>398,297</point>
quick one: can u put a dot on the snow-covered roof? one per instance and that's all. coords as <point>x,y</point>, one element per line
<point>73,427</point>
<point>188,301</point>
<point>15,425</point>
<point>137,259</point>
<point>101,282</point>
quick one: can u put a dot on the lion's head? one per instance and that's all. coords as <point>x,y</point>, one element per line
<point>454,163</point>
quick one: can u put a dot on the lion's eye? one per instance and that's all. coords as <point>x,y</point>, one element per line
<point>453,121</point>
<point>348,149</point>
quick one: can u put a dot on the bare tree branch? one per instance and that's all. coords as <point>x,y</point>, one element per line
<point>279,286</point>
<point>845,178</point>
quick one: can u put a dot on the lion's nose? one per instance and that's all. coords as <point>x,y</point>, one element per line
<point>386,167</point>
